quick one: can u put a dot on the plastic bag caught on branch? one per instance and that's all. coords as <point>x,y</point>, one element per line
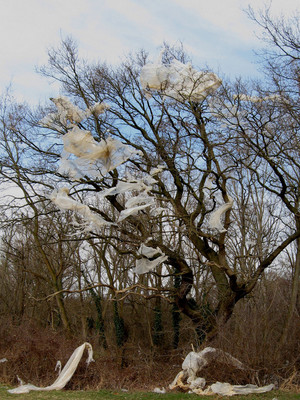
<point>62,200</point>
<point>178,81</point>
<point>215,219</point>
<point>69,114</point>
<point>149,258</point>
<point>111,152</point>
<point>93,158</point>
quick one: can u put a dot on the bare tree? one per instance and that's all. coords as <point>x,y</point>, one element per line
<point>188,152</point>
<point>187,138</point>
<point>281,60</point>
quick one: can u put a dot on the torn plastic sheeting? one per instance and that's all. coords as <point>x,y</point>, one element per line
<point>99,108</point>
<point>65,375</point>
<point>158,390</point>
<point>196,383</point>
<point>68,112</point>
<point>51,121</point>
<point>58,367</point>
<point>226,389</point>
<point>139,200</point>
<point>82,144</point>
<point>208,183</point>
<point>257,99</point>
<point>196,362</point>
<point>158,211</point>
<point>178,81</point>
<point>143,265</point>
<point>155,171</point>
<point>136,204</point>
<point>70,168</point>
<point>80,167</point>
<point>95,158</point>
<point>148,251</point>
<point>132,211</point>
<point>146,263</point>
<point>215,219</point>
<point>123,187</point>
<point>62,200</point>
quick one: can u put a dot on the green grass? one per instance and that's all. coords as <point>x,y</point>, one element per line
<point>109,395</point>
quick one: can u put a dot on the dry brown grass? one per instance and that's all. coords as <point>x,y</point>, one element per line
<point>251,335</point>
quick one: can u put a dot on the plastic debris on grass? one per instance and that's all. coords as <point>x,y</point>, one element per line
<point>158,390</point>
<point>65,375</point>
<point>194,363</point>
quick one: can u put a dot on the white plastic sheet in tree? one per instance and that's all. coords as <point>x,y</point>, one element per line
<point>65,375</point>
<point>156,170</point>
<point>99,108</point>
<point>62,200</point>
<point>131,184</point>
<point>257,99</point>
<point>127,212</point>
<point>82,144</point>
<point>150,259</point>
<point>68,111</point>
<point>92,157</point>
<point>110,151</point>
<point>178,81</point>
<point>140,199</point>
<point>215,219</point>
<point>136,204</point>
<point>69,114</point>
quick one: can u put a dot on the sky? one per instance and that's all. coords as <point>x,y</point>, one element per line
<point>216,33</point>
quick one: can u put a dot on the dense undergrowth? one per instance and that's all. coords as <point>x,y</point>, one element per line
<point>32,352</point>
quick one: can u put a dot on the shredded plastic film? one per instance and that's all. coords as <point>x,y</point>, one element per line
<point>215,219</point>
<point>194,363</point>
<point>178,81</point>
<point>65,375</point>
<point>149,258</point>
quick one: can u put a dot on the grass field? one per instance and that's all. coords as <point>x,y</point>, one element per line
<point>109,395</point>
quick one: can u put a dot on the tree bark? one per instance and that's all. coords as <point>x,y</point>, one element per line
<point>294,297</point>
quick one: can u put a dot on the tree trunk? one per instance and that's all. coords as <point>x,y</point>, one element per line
<point>293,301</point>
<point>63,313</point>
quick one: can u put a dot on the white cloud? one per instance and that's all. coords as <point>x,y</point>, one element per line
<point>230,15</point>
<point>216,32</point>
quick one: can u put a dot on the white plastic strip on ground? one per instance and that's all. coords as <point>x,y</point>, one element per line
<point>65,375</point>
<point>188,380</point>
